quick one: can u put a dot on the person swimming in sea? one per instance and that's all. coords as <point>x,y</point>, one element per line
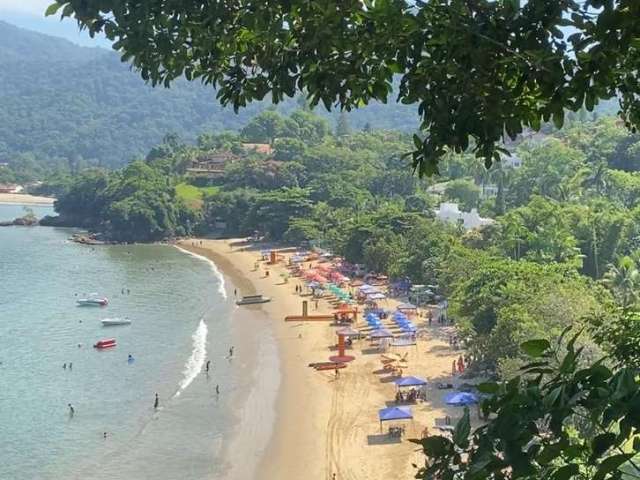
<point>207,366</point>
<point>72,411</point>
<point>130,358</point>
<point>231,352</point>
<point>217,389</point>
<point>64,366</point>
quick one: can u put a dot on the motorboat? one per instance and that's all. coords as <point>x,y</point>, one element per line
<point>107,322</point>
<point>106,343</point>
<point>253,299</point>
<point>93,302</point>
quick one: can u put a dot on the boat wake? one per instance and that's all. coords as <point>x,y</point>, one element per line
<point>221,287</point>
<point>198,355</point>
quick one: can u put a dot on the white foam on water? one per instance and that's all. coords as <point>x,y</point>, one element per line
<point>198,355</point>
<point>221,288</point>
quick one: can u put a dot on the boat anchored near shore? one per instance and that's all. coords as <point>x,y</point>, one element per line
<point>107,322</point>
<point>92,301</point>
<point>253,299</point>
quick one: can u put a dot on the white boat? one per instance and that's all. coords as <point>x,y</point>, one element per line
<point>252,299</point>
<point>107,322</point>
<point>93,301</point>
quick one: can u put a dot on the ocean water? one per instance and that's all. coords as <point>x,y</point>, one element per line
<point>181,317</point>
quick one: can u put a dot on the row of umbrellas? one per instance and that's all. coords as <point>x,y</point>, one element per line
<point>458,399</point>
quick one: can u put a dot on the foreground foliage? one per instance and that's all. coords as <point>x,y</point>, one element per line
<point>561,418</point>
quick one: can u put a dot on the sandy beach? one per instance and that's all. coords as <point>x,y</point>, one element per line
<point>325,424</point>
<point>25,199</point>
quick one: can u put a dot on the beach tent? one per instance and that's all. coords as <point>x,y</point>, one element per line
<point>460,399</point>
<point>394,413</point>
<point>410,382</point>
<point>382,333</point>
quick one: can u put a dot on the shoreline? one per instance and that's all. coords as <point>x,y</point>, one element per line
<point>25,199</point>
<point>326,425</point>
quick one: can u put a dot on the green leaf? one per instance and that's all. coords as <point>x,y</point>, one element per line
<point>600,444</point>
<point>488,387</point>
<point>611,464</point>
<point>52,9</point>
<point>535,348</point>
<point>462,430</point>
<point>566,472</point>
<point>435,445</point>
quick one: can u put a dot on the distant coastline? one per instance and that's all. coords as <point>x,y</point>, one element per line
<point>25,199</point>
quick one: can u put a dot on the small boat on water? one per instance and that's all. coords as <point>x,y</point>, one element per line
<point>93,302</point>
<point>107,322</point>
<point>252,299</point>
<point>106,343</point>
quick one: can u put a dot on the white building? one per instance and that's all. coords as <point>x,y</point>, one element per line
<point>449,212</point>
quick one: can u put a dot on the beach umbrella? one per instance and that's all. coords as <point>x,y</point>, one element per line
<point>410,382</point>
<point>348,332</point>
<point>460,399</point>
<point>376,296</point>
<point>382,333</point>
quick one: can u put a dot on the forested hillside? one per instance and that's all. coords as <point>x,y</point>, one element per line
<point>70,106</point>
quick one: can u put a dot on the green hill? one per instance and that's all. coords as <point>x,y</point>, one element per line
<point>64,103</point>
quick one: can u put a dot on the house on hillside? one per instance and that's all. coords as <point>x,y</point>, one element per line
<point>10,188</point>
<point>263,148</point>
<point>211,164</point>
<point>450,212</point>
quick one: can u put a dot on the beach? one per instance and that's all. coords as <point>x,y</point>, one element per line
<point>25,199</point>
<point>327,424</point>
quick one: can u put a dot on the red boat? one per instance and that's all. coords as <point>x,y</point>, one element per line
<point>107,343</point>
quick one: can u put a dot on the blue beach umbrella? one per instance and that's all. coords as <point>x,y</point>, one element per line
<point>409,382</point>
<point>460,399</point>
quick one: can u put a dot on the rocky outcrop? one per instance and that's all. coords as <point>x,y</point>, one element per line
<point>26,221</point>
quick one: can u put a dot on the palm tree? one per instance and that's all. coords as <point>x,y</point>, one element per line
<point>624,279</point>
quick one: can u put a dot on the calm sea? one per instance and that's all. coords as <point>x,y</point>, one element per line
<point>180,318</point>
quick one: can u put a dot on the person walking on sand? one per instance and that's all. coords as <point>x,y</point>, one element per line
<point>453,368</point>
<point>71,410</point>
<point>156,402</point>
<point>460,364</point>
<point>235,292</point>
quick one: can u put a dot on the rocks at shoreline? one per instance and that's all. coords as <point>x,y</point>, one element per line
<point>26,221</point>
<point>87,239</point>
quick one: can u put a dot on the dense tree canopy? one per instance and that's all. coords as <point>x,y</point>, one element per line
<point>477,70</point>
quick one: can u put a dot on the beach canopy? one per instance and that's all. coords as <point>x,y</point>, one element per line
<point>382,333</point>
<point>348,332</point>
<point>395,413</point>
<point>409,382</point>
<point>460,399</point>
